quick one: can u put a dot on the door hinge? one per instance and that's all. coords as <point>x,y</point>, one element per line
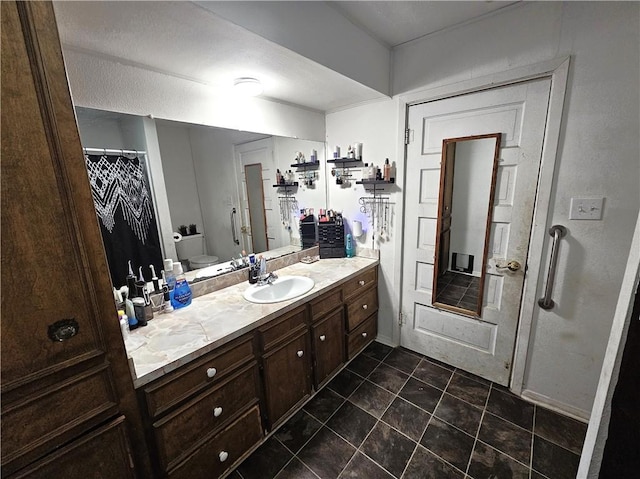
<point>400,319</point>
<point>507,364</point>
<point>407,136</point>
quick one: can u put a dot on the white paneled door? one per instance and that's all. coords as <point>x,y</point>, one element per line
<point>482,346</point>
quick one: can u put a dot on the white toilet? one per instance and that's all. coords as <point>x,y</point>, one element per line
<point>192,248</point>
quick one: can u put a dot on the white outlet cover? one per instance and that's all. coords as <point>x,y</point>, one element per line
<point>586,208</point>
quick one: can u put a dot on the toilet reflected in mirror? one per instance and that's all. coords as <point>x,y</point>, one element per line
<point>465,204</point>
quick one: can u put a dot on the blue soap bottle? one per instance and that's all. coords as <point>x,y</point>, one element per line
<point>349,248</point>
<point>181,292</point>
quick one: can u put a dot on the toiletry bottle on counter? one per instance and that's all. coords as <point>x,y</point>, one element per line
<point>181,291</point>
<point>349,249</point>
<point>169,276</point>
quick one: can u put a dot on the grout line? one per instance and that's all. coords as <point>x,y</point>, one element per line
<point>473,448</point>
<point>533,428</point>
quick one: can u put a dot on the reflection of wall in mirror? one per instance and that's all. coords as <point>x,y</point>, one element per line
<point>472,184</point>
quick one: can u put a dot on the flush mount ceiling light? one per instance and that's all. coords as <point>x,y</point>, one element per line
<point>247,86</point>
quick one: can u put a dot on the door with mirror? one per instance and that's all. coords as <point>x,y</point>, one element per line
<point>469,203</point>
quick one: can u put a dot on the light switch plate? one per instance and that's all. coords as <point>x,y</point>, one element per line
<point>586,208</point>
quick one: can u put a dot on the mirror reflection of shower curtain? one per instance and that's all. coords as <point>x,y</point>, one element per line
<point>124,207</point>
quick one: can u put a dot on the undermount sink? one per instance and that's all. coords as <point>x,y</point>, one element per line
<point>282,289</point>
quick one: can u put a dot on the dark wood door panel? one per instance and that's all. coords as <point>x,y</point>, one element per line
<point>328,345</point>
<point>104,452</point>
<point>34,426</point>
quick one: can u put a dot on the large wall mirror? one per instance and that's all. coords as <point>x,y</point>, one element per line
<point>215,183</point>
<point>467,186</point>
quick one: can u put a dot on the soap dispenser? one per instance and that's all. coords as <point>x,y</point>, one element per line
<point>182,292</point>
<point>349,247</point>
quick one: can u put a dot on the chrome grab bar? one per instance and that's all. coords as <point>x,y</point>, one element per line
<point>233,226</point>
<point>557,231</point>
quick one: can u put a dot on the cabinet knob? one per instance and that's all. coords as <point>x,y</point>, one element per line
<point>211,372</point>
<point>300,353</point>
<point>217,411</point>
<point>361,283</point>
<point>322,337</point>
<point>223,456</point>
<point>364,306</point>
<point>364,335</point>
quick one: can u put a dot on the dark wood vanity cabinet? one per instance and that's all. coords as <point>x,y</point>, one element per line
<point>68,404</point>
<point>361,305</point>
<point>203,417</point>
<point>286,355</point>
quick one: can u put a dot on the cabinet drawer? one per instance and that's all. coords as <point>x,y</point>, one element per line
<point>177,386</point>
<point>325,303</point>
<point>361,307</point>
<point>362,335</point>
<point>223,450</point>
<point>281,327</point>
<point>360,283</point>
<point>180,430</point>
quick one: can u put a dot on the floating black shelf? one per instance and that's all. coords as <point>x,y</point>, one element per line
<point>311,164</point>
<point>376,182</point>
<point>345,160</point>
<point>287,185</point>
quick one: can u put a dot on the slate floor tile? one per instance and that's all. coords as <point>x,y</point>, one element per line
<point>489,462</point>
<point>554,461</point>
<point>298,430</point>
<point>407,418</point>
<point>266,461</point>
<point>296,470</point>
<point>324,404</point>
<point>388,378</point>
<point>426,465</point>
<point>377,350</point>
<point>361,467</point>
<point>326,454</point>
<point>451,444</point>
<point>352,423</point>
<point>345,382</point>
<point>372,398</point>
<point>432,374</point>
<point>402,360</point>
<point>388,448</point>
<point>363,365</point>
<point>561,430</point>
<point>459,414</point>
<point>465,388</point>
<point>506,437</point>
<point>421,394</point>
<point>510,407</point>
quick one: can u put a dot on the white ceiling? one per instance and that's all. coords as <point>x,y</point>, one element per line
<point>189,41</point>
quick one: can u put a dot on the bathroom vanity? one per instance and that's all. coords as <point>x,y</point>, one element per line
<point>216,378</point>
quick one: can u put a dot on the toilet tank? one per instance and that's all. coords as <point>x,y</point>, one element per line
<point>190,246</point>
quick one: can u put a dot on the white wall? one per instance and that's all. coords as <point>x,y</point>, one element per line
<point>598,156</point>
<point>375,125</point>
<point>471,187</point>
<point>179,175</point>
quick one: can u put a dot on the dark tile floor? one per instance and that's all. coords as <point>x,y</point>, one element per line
<point>393,413</point>
<point>458,289</point>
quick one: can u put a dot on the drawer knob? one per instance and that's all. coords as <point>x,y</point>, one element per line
<point>300,353</point>
<point>223,456</point>
<point>211,372</point>
<point>364,335</point>
<point>322,337</point>
<point>361,283</point>
<point>217,411</point>
<point>364,306</point>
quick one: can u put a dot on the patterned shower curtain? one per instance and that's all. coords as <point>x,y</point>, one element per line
<point>124,206</point>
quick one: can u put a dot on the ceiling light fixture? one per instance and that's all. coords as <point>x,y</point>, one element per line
<point>247,86</point>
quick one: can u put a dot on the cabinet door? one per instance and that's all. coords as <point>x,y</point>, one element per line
<point>328,346</point>
<point>287,376</point>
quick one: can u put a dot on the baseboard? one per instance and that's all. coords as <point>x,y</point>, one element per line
<point>557,406</point>
<point>386,340</point>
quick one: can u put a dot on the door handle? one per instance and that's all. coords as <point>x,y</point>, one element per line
<point>511,266</point>
<point>558,232</point>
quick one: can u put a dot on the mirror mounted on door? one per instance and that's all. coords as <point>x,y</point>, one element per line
<point>467,188</point>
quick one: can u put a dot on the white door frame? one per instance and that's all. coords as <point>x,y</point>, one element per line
<point>558,71</point>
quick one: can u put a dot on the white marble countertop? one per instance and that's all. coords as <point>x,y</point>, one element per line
<point>171,340</point>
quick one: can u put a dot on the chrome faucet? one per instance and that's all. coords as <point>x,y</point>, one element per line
<point>265,278</point>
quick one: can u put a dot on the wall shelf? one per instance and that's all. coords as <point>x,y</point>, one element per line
<point>287,186</point>
<point>305,166</point>
<point>345,160</point>
<point>365,182</point>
